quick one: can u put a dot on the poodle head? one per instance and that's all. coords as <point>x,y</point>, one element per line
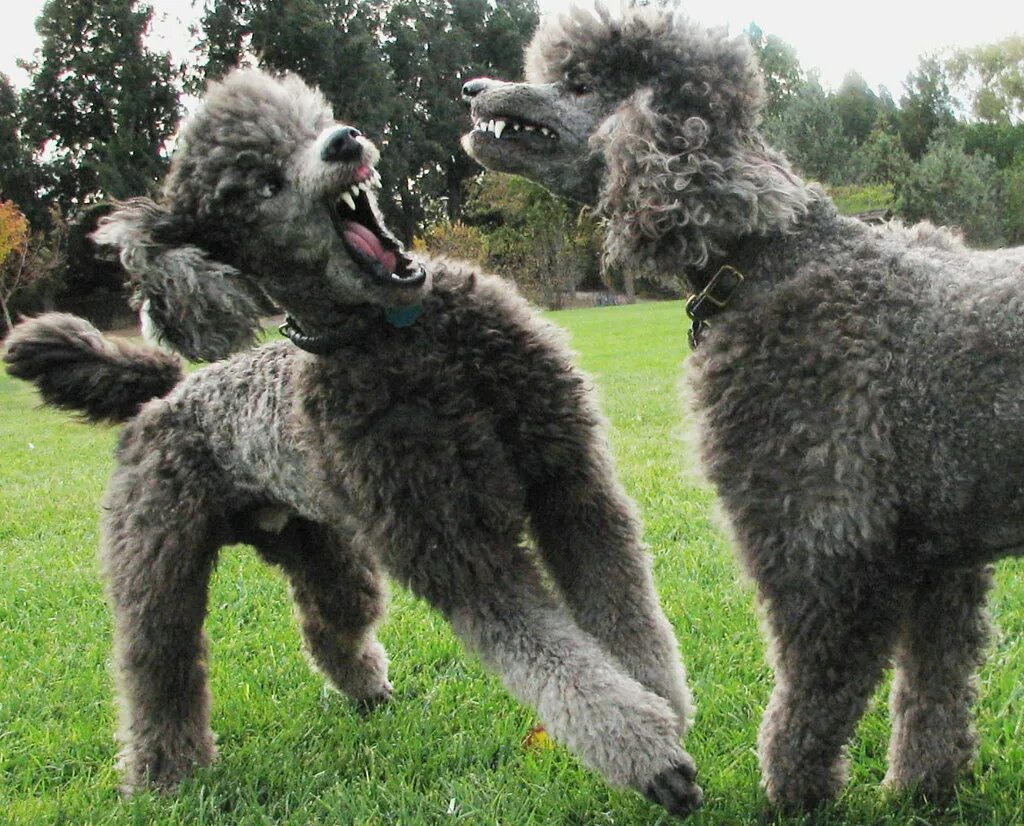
<point>267,197</point>
<point>649,118</point>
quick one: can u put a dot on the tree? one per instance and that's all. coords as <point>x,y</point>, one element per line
<point>859,108</point>
<point>992,79</point>
<point>810,132</point>
<point>1014,207</point>
<point>26,261</point>
<point>100,104</point>
<point>881,158</point>
<point>783,76</point>
<point>433,47</point>
<point>952,188</point>
<point>533,237</point>
<point>926,108</point>
<point>20,177</point>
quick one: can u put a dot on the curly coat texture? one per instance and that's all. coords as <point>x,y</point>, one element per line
<point>424,451</point>
<point>860,396</point>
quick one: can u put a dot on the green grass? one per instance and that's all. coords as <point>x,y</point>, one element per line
<point>448,749</point>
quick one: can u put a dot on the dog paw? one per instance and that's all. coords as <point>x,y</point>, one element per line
<point>379,698</point>
<point>676,789</point>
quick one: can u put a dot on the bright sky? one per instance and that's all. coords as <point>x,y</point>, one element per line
<point>880,39</point>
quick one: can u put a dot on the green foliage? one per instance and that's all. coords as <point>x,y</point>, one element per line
<point>457,240</point>
<point>854,199</point>
<point>810,130</point>
<point>525,233</point>
<point>783,76</point>
<point>1003,142</point>
<point>20,177</point>
<point>952,188</point>
<point>927,108</point>
<point>102,104</point>
<point>992,78</point>
<point>860,109</point>
<point>1013,186</point>
<point>881,159</point>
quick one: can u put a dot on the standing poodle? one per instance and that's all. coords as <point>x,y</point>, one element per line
<point>418,420</point>
<point>859,388</point>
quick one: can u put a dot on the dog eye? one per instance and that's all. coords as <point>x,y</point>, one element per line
<point>576,87</point>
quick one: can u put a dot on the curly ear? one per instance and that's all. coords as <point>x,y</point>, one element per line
<point>674,193</point>
<point>202,308</point>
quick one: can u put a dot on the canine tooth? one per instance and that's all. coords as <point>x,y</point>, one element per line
<point>499,127</point>
<point>348,200</point>
<point>354,190</point>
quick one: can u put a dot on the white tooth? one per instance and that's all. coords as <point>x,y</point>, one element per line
<point>348,200</point>
<point>530,128</point>
<point>376,177</point>
<point>545,131</point>
<point>499,127</point>
<point>490,126</point>
<point>517,126</point>
<point>355,190</point>
<point>365,185</point>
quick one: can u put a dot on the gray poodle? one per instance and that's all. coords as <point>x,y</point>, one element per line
<point>420,418</point>
<point>859,389</point>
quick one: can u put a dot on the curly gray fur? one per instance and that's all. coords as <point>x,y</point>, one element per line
<point>424,451</point>
<point>860,397</point>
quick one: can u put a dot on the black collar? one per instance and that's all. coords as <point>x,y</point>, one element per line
<point>323,344</point>
<point>711,300</point>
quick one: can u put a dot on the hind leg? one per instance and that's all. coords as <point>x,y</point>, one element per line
<point>159,548</point>
<point>339,597</point>
<point>940,649</point>
<point>831,642</point>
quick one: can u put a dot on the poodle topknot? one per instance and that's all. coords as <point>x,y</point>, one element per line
<point>420,420</point>
<point>859,388</point>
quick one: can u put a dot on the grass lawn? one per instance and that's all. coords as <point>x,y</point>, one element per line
<point>448,749</point>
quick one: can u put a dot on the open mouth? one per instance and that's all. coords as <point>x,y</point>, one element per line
<point>506,127</point>
<point>369,244</point>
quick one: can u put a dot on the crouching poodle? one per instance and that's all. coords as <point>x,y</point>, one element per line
<point>859,388</point>
<point>418,419</point>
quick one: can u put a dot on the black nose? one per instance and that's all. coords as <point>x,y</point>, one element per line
<point>472,88</point>
<point>342,145</point>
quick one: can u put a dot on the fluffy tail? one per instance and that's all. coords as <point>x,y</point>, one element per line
<point>76,368</point>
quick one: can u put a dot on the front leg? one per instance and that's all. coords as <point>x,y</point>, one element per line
<point>590,538</point>
<point>499,606</point>
<point>447,520</point>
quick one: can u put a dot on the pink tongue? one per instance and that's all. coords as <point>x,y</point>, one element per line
<point>365,241</point>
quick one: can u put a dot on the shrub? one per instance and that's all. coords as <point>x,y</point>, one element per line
<point>952,188</point>
<point>853,199</point>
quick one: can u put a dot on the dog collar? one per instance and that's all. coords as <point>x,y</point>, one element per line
<point>324,344</point>
<point>710,301</point>
<point>403,316</point>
